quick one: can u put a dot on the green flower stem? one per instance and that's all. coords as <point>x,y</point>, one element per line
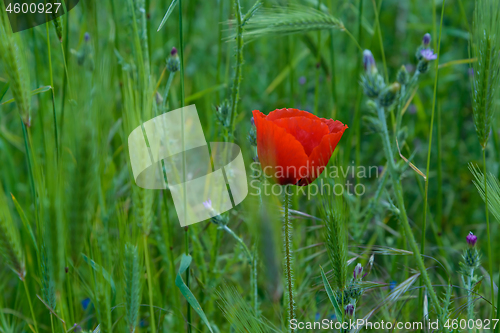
<point>31,305</point>
<point>186,233</point>
<point>167,89</point>
<point>150,284</point>
<point>490,258</point>
<point>235,94</point>
<point>470,304</point>
<point>252,259</point>
<point>287,239</point>
<point>402,210</point>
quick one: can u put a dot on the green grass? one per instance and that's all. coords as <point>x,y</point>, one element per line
<point>82,244</point>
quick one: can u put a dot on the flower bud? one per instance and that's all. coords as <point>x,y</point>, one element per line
<point>369,63</point>
<point>426,40</point>
<point>388,95</point>
<point>173,52</point>
<point>403,77</point>
<point>173,63</point>
<point>471,239</point>
<point>358,271</point>
<point>86,37</point>
<point>349,310</point>
<point>252,121</point>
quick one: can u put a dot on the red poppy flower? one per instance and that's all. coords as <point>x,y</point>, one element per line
<point>295,146</point>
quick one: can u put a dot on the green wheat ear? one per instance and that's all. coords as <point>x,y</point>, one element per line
<point>10,244</point>
<point>11,53</point>
<point>288,20</point>
<point>132,271</point>
<point>335,233</point>
<point>485,47</point>
<point>240,313</point>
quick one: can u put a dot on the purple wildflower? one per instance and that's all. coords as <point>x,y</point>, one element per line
<point>173,53</point>
<point>86,37</point>
<point>428,54</point>
<point>358,270</point>
<point>369,62</point>
<point>471,239</point>
<point>302,80</point>
<point>426,40</point>
<point>208,204</point>
<point>349,310</point>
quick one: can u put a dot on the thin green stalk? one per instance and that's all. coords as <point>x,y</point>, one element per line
<point>381,43</point>
<point>150,283</point>
<point>167,89</point>
<point>235,94</point>
<point>439,214</point>
<point>56,136</point>
<point>402,210</point>
<point>287,240</point>
<point>219,48</point>
<point>490,257</point>
<point>186,234</point>
<point>31,305</point>
<point>318,59</point>
<point>429,150</point>
<point>470,303</point>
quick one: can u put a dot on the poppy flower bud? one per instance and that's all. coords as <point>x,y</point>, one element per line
<point>388,95</point>
<point>403,77</point>
<point>173,63</point>
<point>369,63</point>
<point>349,310</point>
<point>426,40</point>
<point>358,271</point>
<point>471,239</point>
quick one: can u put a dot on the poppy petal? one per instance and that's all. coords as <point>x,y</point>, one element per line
<point>320,156</point>
<point>280,154</point>
<point>288,113</point>
<point>309,132</point>
<point>334,125</point>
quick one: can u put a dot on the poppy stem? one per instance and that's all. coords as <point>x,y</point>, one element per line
<point>398,190</point>
<point>287,242</point>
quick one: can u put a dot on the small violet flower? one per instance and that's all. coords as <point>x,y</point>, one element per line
<point>208,204</point>
<point>426,40</point>
<point>349,310</point>
<point>369,62</point>
<point>358,270</point>
<point>471,239</point>
<point>428,54</point>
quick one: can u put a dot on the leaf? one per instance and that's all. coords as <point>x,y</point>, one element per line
<point>4,90</point>
<point>167,14</point>
<point>33,92</point>
<point>330,294</point>
<point>104,273</point>
<point>179,282</point>
<point>25,220</point>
